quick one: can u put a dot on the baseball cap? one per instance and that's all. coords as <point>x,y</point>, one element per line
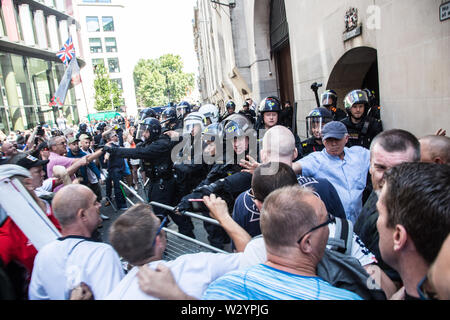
<point>334,129</point>
<point>27,161</point>
<point>84,137</point>
<point>72,140</point>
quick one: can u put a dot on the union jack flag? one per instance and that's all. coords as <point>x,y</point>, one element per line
<point>67,52</point>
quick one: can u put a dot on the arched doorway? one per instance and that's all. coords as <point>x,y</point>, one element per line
<point>281,50</point>
<point>356,69</point>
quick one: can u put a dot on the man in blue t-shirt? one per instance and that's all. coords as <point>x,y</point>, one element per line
<point>294,226</point>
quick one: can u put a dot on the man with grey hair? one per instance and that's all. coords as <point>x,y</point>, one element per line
<point>75,258</point>
<point>435,149</point>
<point>388,149</point>
<point>346,168</point>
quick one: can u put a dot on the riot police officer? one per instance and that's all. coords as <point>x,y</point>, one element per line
<point>225,178</point>
<point>169,120</point>
<point>361,128</point>
<point>83,129</point>
<point>157,163</point>
<point>316,119</point>
<point>211,113</point>
<point>268,117</point>
<point>147,113</point>
<point>374,107</point>
<point>329,101</point>
<point>182,110</point>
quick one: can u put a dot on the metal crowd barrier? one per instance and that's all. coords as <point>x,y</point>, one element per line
<point>173,249</point>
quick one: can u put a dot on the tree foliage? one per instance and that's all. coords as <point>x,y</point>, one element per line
<point>108,96</point>
<point>160,81</point>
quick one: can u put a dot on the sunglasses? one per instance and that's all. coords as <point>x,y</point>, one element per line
<point>161,226</point>
<point>426,290</point>
<point>331,219</point>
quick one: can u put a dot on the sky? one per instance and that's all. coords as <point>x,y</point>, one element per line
<point>158,27</point>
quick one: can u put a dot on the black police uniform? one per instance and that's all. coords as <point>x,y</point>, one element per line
<point>158,167</point>
<point>362,133</point>
<point>310,145</point>
<point>226,181</point>
<point>338,114</point>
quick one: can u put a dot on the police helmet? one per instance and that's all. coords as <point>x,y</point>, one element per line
<point>101,126</point>
<point>147,113</point>
<point>355,97</point>
<point>269,104</point>
<point>169,116</point>
<point>150,124</point>
<point>236,125</point>
<point>213,132</point>
<point>192,120</point>
<point>83,127</point>
<point>231,105</point>
<point>329,98</point>
<point>210,112</point>
<point>316,119</point>
<point>183,109</point>
<point>370,97</point>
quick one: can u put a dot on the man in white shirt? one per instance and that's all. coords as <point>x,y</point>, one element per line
<point>75,258</point>
<point>138,237</point>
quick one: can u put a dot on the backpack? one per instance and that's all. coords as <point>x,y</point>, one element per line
<point>343,238</point>
<point>345,272</point>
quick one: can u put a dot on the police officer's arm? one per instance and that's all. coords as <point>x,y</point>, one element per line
<point>149,152</point>
<point>218,209</point>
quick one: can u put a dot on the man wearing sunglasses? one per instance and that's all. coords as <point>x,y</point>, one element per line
<point>293,223</point>
<point>414,220</point>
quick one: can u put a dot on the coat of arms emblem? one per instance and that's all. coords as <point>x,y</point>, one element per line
<point>351,19</point>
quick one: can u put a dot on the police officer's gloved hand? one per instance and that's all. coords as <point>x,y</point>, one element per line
<point>214,187</point>
<point>184,206</point>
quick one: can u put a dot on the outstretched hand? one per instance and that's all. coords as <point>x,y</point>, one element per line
<point>249,166</point>
<point>159,283</point>
<point>218,208</point>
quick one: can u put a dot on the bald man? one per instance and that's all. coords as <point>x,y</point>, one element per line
<point>9,150</point>
<point>278,146</point>
<point>75,258</point>
<point>435,149</point>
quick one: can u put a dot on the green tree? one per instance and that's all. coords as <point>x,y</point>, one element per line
<point>160,81</point>
<point>108,96</point>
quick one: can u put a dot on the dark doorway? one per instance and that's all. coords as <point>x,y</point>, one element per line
<point>281,50</point>
<point>356,69</point>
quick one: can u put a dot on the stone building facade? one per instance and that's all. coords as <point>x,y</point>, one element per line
<point>399,49</point>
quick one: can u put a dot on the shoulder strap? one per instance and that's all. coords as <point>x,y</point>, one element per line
<point>342,240</point>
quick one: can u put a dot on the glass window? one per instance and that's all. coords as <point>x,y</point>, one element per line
<point>119,83</point>
<point>108,23</point>
<point>113,65</point>
<point>96,62</point>
<point>111,45</point>
<point>92,24</point>
<point>96,45</point>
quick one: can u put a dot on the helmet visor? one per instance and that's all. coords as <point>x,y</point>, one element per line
<point>355,97</point>
<point>140,132</point>
<point>314,127</point>
<point>328,99</point>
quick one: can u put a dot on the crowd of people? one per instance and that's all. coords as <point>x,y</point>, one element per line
<point>351,213</point>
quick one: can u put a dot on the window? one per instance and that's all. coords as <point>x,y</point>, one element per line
<point>111,45</point>
<point>113,65</point>
<point>96,62</point>
<point>92,24</point>
<point>108,23</point>
<point>96,45</point>
<point>119,83</point>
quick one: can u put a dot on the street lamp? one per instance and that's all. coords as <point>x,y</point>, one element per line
<point>231,3</point>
